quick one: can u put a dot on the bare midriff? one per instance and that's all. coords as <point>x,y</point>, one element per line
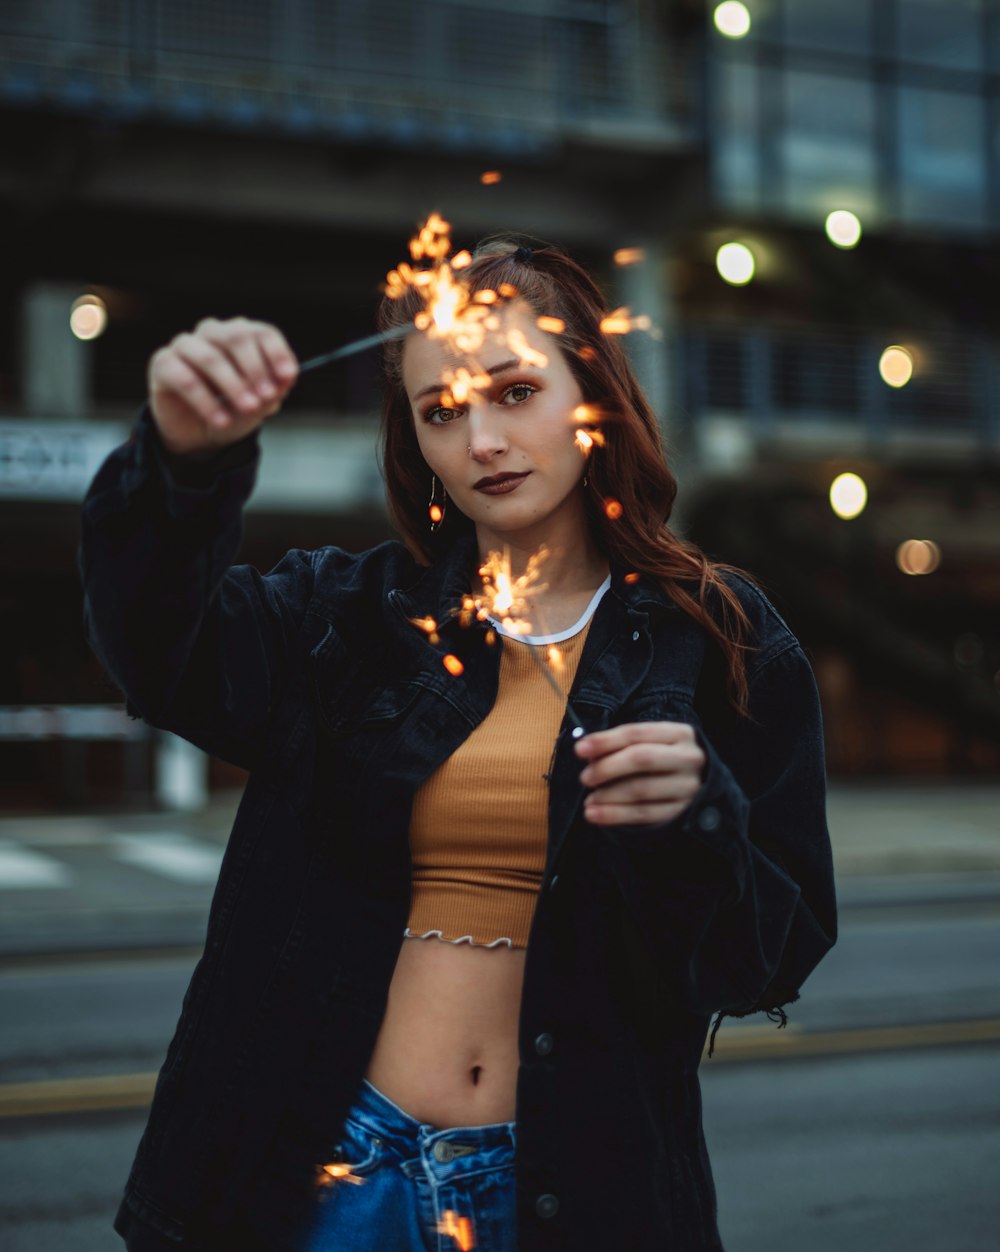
<point>447,1051</point>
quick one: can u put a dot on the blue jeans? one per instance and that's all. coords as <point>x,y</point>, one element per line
<point>410,1187</point>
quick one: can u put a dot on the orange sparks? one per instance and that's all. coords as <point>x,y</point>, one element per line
<point>489,177</point>
<point>587,353</point>
<point>554,325</point>
<point>453,665</point>
<point>629,256</point>
<point>520,347</point>
<point>503,595</point>
<point>461,259</point>
<point>436,513</point>
<point>555,657</point>
<point>631,578</point>
<point>433,242</point>
<point>507,290</point>
<point>585,413</point>
<point>620,322</point>
<point>459,1228</point>
<point>587,439</point>
<point>613,510</point>
<point>462,384</point>
<point>486,296</point>
<point>337,1169</point>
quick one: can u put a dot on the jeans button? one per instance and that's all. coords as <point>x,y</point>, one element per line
<point>442,1151</point>
<point>547,1206</point>
<point>544,1044</point>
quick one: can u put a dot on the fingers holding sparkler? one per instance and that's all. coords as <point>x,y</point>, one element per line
<point>641,773</point>
<point>215,385</point>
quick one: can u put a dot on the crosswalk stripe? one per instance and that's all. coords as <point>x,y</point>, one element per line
<point>171,854</point>
<point>22,868</point>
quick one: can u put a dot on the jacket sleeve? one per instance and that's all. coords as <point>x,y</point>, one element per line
<point>199,647</point>
<point>734,898</point>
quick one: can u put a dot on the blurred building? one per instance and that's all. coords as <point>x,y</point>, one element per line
<point>176,161</point>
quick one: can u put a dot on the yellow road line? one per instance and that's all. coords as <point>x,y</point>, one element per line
<point>76,1095</point>
<point>109,1092</point>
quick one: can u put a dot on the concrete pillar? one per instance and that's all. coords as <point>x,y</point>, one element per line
<point>55,365</point>
<point>646,288</point>
<point>181,774</point>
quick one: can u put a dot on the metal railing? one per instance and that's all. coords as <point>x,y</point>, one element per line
<point>827,375</point>
<point>461,71</point>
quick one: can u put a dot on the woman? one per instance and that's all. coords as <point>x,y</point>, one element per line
<point>460,964</point>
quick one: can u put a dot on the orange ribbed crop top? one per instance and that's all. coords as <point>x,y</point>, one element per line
<point>479,828</point>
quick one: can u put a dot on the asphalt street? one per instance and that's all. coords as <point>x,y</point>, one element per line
<point>871,1121</point>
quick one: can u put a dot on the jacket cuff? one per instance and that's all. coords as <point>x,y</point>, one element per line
<point>201,472</point>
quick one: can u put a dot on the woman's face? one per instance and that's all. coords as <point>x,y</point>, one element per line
<point>506,453</point>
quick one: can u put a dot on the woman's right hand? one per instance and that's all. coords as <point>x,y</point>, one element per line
<point>213,386</point>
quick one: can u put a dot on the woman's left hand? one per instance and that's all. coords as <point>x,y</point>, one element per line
<point>640,774</point>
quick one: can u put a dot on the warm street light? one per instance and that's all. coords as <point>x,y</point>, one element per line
<point>848,495</point>
<point>732,19</point>
<point>843,228</point>
<point>88,317</point>
<point>735,262</point>
<point>896,366</point>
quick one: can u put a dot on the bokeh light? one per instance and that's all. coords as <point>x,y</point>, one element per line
<point>736,263</point>
<point>732,19</point>
<point>848,495</point>
<point>843,228</point>
<point>88,317</point>
<point>896,366</point>
<point>918,556</point>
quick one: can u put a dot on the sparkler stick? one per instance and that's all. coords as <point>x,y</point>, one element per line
<point>359,345</point>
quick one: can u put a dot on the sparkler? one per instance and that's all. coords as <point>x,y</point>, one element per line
<point>459,1228</point>
<point>503,601</point>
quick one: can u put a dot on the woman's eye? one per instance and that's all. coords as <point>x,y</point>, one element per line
<point>519,392</point>
<point>440,416</point>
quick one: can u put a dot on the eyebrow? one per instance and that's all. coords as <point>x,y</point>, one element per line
<point>436,388</point>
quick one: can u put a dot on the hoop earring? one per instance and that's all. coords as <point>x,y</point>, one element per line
<point>586,480</point>
<point>436,510</point>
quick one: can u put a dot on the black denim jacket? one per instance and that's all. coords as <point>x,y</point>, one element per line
<point>313,679</point>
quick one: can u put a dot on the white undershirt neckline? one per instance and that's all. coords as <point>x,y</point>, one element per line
<point>561,635</point>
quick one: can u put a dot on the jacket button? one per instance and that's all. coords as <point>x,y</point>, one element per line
<point>546,1206</point>
<point>544,1044</point>
<point>709,818</point>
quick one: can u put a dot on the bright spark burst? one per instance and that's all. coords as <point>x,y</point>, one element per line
<point>629,256</point>
<point>490,177</point>
<point>337,1171</point>
<point>621,322</point>
<point>554,325</point>
<point>459,1228</point>
<point>504,596</point>
<point>453,665</point>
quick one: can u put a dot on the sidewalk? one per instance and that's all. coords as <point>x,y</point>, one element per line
<point>141,880</point>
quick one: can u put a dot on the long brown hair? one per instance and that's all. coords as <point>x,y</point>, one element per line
<point>629,468</point>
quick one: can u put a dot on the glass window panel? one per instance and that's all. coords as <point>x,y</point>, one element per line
<point>941,32</point>
<point>845,26</point>
<point>827,144</point>
<point>736,154</point>
<point>942,162</point>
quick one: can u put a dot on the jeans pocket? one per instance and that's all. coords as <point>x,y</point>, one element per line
<point>358,1153</point>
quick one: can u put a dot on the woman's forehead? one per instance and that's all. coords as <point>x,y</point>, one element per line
<point>426,358</point>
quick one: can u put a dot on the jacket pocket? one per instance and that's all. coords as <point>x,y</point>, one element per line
<point>350,694</point>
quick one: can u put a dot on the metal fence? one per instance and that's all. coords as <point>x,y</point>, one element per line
<point>827,375</point>
<point>465,72</point>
